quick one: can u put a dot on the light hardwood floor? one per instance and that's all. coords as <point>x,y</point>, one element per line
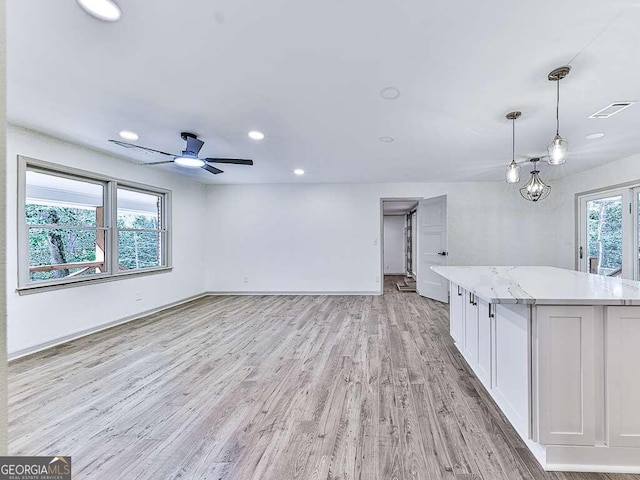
<point>270,387</point>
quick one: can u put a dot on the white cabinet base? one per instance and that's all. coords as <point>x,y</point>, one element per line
<point>623,376</point>
<point>567,377</point>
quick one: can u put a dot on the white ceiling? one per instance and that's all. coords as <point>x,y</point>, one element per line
<point>309,76</point>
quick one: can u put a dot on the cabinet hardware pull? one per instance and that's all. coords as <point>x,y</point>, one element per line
<point>491,314</point>
<point>459,292</point>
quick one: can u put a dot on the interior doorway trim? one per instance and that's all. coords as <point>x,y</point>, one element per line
<point>381,242</point>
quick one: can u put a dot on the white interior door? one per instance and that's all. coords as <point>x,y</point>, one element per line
<point>432,248</point>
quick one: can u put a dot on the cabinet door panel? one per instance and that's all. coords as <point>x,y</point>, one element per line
<point>623,376</point>
<point>510,364</point>
<point>471,329</point>
<point>456,313</point>
<point>485,332</point>
<point>566,375</point>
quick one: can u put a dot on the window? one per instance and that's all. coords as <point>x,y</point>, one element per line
<point>66,234</point>
<point>140,229</point>
<point>609,236</point>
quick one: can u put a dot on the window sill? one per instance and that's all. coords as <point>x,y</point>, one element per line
<point>47,287</point>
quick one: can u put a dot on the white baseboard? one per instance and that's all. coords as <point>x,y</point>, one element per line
<point>600,459</point>
<point>367,292</point>
<point>105,326</point>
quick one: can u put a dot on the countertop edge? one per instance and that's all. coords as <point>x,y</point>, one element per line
<point>497,300</point>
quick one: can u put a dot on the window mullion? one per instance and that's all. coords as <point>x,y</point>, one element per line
<point>635,242</point>
<point>23,230</point>
<point>113,230</point>
<point>627,235</point>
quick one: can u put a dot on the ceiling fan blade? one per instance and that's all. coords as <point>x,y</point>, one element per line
<point>231,161</point>
<point>194,145</point>
<point>131,145</point>
<point>159,163</point>
<point>211,169</point>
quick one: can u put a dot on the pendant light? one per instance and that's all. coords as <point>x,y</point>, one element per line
<point>513,170</point>
<point>558,148</point>
<point>535,189</point>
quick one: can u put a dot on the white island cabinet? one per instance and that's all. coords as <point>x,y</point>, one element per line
<point>559,352</point>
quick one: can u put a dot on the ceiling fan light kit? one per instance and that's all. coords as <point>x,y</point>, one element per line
<point>189,161</point>
<point>189,156</point>
<point>557,150</point>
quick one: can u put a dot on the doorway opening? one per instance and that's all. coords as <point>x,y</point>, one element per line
<point>399,217</point>
<point>413,233</point>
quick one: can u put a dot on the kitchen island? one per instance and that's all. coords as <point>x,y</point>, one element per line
<point>559,352</point>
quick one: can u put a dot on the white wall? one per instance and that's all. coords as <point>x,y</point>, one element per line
<point>562,202</point>
<point>42,317</point>
<point>394,244</point>
<point>324,237</point>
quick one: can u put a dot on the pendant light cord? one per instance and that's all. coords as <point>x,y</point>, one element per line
<point>558,107</point>
<point>513,142</point>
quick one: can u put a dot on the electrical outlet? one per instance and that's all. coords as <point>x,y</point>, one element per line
<point>138,296</point>
<point>375,242</point>
<point>377,279</point>
<point>245,279</point>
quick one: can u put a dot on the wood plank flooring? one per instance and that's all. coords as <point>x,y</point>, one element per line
<point>270,387</point>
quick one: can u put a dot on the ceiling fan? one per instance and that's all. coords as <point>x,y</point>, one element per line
<point>189,156</point>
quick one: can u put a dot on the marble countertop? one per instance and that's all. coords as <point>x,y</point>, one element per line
<point>542,286</point>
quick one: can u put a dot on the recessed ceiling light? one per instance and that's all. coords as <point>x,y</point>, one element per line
<point>298,171</point>
<point>386,139</point>
<point>594,136</point>
<point>256,135</point>
<point>129,135</point>
<point>390,93</point>
<point>106,10</point>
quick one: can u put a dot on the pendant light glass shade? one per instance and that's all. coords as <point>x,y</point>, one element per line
<point>535,189</point>
<point>557,151</point>
<point>513,172</point>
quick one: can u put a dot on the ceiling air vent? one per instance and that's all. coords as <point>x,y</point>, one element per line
<point>611,110</point>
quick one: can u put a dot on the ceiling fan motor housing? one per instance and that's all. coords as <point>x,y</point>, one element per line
<point>186,135</point>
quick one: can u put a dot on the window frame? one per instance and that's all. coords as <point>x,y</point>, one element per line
<point>110,212</point>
